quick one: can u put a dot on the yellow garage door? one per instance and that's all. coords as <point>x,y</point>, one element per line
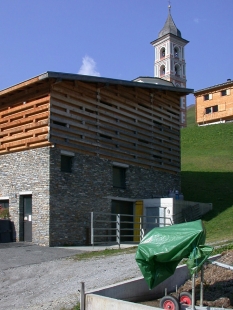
<point>138,212</point>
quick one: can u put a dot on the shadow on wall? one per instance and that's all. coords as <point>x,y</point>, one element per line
<point>7,231</point>
<point>213,187</point>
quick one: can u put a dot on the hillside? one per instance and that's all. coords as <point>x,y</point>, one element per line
<point>207,173</point>
<point>191,115</point>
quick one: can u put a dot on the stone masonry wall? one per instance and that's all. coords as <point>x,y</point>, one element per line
<point>62,202</point>
<point>28,171</point>
<point>74,195</point>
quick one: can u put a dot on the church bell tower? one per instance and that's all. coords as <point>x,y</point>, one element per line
<point>170,59</point>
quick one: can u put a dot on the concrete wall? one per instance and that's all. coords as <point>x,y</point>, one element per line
<point>137,290</point>
<point>117,296</point>
<point>94,302</point>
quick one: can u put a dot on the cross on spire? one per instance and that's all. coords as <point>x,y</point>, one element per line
<point>169,5</point>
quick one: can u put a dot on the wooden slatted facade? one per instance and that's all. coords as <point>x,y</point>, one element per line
<point>24,119</point>
<point>132,125</point>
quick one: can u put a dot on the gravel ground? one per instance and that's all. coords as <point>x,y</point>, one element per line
<point>55,284</point>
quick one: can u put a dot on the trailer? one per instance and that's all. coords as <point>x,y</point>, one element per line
<point>162,249</point>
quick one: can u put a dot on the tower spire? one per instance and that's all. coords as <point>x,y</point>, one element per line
<point>169,61</point>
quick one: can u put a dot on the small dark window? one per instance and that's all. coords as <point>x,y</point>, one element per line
<point>206,97</point>
<point>208,110</point>
<point>224,92</point>
<point>211,109</point>
<point>4,209</point>
<point>119,177</point>
<point>66,163</point>
<point>4,203</point>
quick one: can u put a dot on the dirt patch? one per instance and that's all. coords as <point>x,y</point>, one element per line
<point>218,285</point>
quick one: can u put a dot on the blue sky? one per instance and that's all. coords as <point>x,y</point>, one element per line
<point>111,38</point>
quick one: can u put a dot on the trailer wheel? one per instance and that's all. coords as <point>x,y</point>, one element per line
<point>186,298</point>
<point>169,303</point>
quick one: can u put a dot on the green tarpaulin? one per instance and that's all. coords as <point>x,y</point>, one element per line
<point>161,250</point>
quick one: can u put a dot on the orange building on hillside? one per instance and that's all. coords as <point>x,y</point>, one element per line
<point>214,104</point>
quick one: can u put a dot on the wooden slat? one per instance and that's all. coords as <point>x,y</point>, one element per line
<point>125,105</point>
<point>23,135</point>
<point>129,134</point>
<point>106,153</point>
<point>136,126</point>
<point>24,147</point>
<point>99,145</point>
<point>121,141</point>
<point>25,143</point>
<point>23,107</point>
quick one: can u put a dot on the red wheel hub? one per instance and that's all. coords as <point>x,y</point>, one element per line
<point>168,304</point>
<point>185,300</point>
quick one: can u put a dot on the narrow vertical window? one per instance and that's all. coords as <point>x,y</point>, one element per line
<point>119,177</point>
<point>66,163</point>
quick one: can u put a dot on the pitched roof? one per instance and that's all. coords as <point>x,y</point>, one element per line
<point>228,83</point>
<point>59,76</point>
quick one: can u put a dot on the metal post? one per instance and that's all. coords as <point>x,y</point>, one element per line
<point>140,228</point>
<point>92,228</point>
<point>82,296</point>
<point>201,286</point>
<point>118,226</point>
<point>164,216</point>
<point>193,291</point>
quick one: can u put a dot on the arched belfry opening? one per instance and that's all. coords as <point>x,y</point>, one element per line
<point>162,52</point>
<point>162,70</point>
<point>177,70</point>
<point>176,52</point>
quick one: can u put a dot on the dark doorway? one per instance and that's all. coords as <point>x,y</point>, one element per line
<point>127,227</point>
<point>26,218</point>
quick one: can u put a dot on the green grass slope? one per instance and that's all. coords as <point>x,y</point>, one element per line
<point>191,115</point>
<point>207,175</point>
